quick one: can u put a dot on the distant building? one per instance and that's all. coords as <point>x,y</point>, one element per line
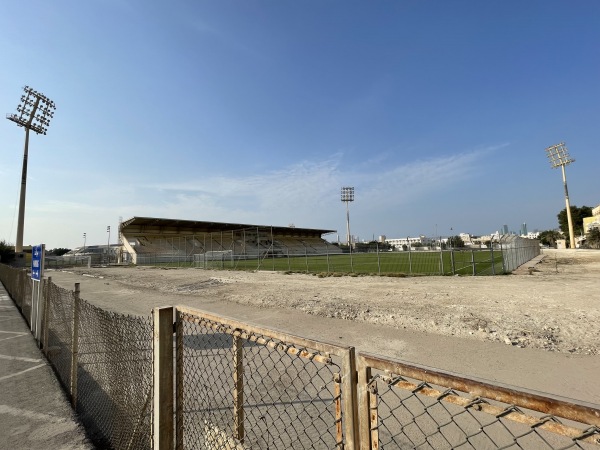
<point>592,222</point>
<point>523,230</point>
<point>420,241</point>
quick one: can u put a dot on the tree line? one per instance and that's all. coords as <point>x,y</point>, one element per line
<point>592,237</point>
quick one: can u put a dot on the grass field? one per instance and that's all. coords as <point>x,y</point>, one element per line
<point>466,262</point>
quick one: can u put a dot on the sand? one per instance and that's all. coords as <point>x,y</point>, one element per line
<point>538,329</point>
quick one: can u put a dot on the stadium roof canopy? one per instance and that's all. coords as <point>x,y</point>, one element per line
<point>155,226</point>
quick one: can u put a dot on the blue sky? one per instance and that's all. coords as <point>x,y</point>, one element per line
<point>437,112</point>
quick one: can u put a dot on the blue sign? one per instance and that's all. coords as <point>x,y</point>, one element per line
<point>36,262</point>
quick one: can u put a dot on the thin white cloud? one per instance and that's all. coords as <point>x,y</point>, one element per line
<point>306,194</point>
<point>307,191</point>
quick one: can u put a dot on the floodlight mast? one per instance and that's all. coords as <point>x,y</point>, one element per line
<point>558,156</point>
<point>348,196</point>
<point>32,102</point>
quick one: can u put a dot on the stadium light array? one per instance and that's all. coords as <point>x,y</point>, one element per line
<point>33,113</point>
<point>558,155</point>
<point>347,196</point>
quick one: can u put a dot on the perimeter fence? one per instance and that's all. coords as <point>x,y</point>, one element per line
<point>410,406</point>
<point>207,381</point>
<point>504,256</point>
<point>102,359</point>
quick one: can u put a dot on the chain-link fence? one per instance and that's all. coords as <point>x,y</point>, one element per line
<point>18,284</point>
<point>238,386</point>
<point>114,377</point>
<point>102,359</point>
<point>517,251</point>
<point>243,387</point>
<point>261,251</point>
<point>58,331</point>
<point>408,406</point>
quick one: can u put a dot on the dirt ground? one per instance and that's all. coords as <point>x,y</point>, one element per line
<point>539,328</point>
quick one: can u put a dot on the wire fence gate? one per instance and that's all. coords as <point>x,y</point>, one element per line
<point>240,386</point>
<point>189,379</point>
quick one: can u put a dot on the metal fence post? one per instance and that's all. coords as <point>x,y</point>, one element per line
<point>473,262</point>
<point>452,261</point>
<point>441,262</point>
<point>47,284</point>
<point>493,261</point>
<point>179,374</point>
<point>378,259</point>
<point>258,247</point>
<point>364,402</point>
<point>327,252</point>
<point>74,346</point>
<point>238,388</point>
<point>162,359</point>
<point>350,399</point>
<point>305,257</point>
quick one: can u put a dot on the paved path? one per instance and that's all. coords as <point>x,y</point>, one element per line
<point>34,411</point>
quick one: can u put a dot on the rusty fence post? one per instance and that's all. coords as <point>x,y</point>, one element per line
<point>179,357</point>
<point>74,345</point>
<point>350,399</point>
<point>162,359</point>
<point>364,404</point>
<point>238,387</point>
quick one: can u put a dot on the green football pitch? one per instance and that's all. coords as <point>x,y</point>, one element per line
<point>469,262</point>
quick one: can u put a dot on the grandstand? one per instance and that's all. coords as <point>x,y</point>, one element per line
<point>148,240</point>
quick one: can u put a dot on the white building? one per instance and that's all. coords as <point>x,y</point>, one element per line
<point>420,241</point>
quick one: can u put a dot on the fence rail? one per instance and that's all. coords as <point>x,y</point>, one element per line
<point>404,405</point>
<point>224,384</point>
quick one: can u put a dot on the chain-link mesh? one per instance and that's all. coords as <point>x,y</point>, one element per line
<point>114,394</point>
<point>517,251</point>
<point>18,284</point>
<point>409,413</point>
<point>59,331</point>
<point>243,389</point>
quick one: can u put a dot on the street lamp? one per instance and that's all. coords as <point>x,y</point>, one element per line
<point>558,155</point>
<point>348,196</point>
<point>33,113</point>
<point>108,245</point>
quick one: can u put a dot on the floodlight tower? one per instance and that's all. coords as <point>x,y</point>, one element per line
<point>33,113</point>
<point>559,157</point>
<point>348,196</point>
